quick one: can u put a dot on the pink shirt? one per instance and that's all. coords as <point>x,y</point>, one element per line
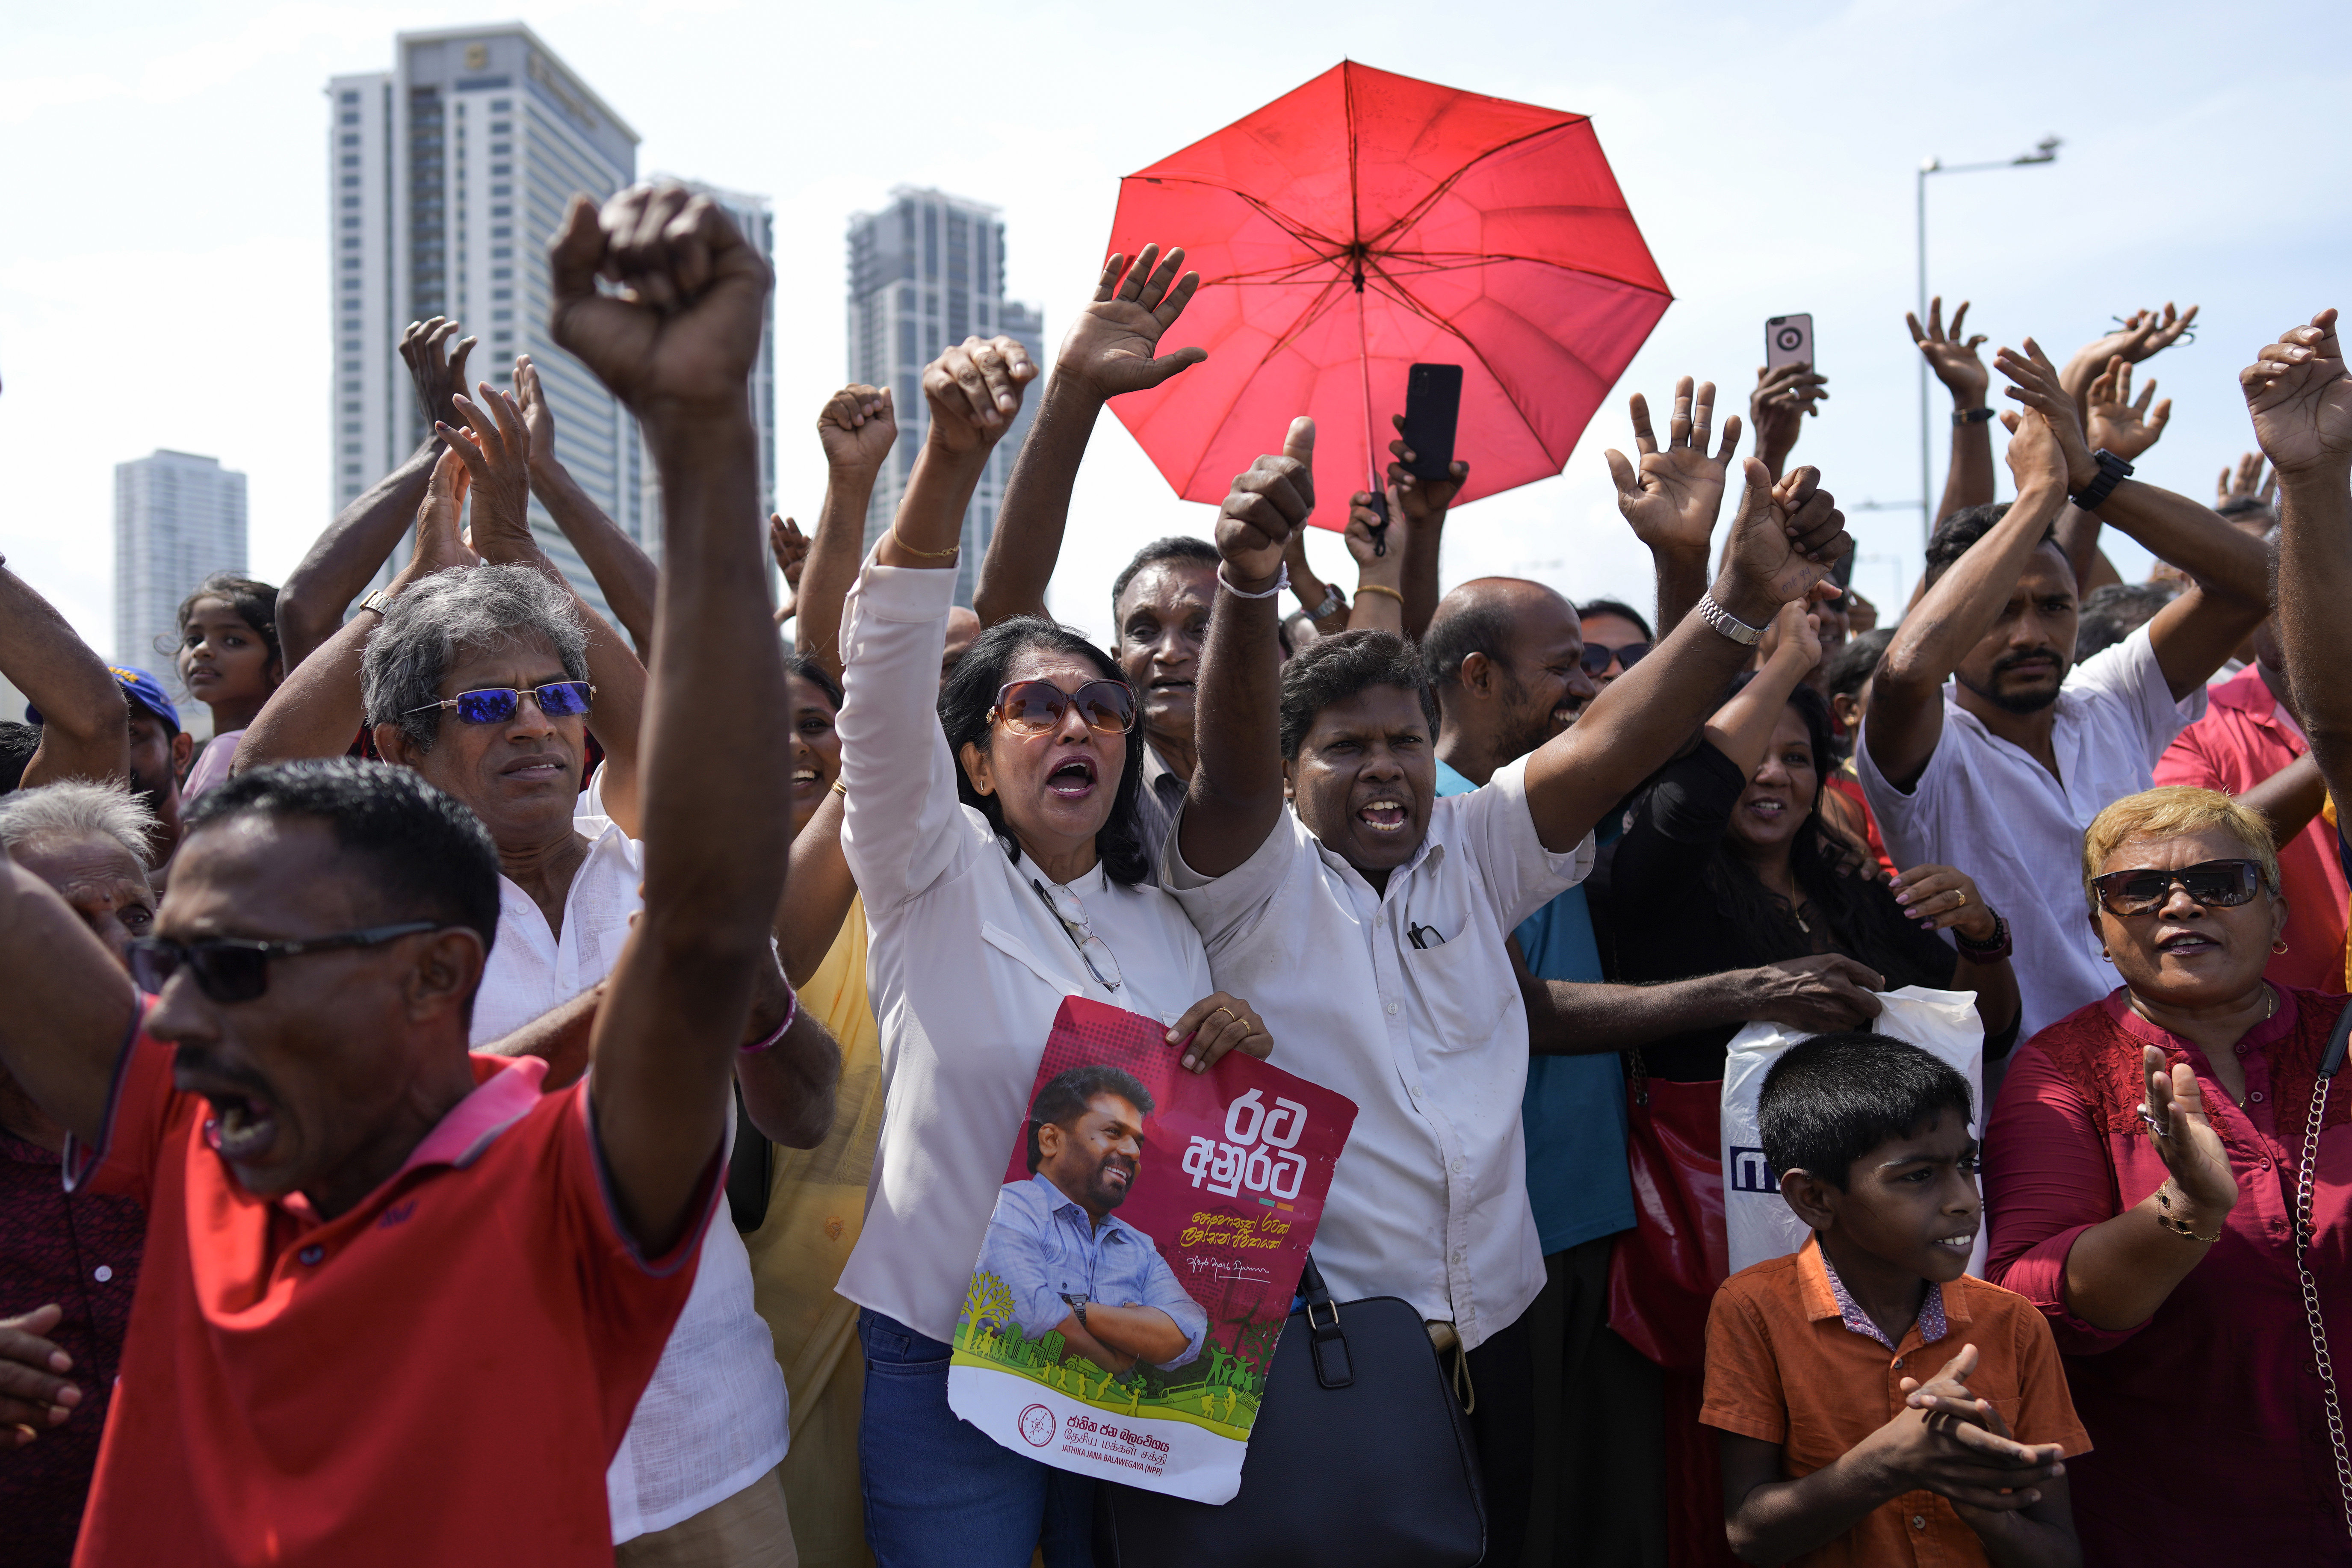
<point>2243,739</point>
<point>2210,1430</point>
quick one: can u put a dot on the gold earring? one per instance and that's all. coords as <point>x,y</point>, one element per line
<point>2279,946</point>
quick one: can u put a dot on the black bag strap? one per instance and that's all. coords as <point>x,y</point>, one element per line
<point>1327,1340</point>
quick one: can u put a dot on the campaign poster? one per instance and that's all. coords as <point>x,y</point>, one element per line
<point>1142,1256</point>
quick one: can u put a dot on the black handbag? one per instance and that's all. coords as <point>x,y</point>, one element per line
<point>1361,1457</point>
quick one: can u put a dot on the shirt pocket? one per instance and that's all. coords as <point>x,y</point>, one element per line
<point>1012,947</point>
<point>1456,985</point>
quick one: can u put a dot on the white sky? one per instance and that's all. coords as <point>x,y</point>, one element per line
<point>163,272</point>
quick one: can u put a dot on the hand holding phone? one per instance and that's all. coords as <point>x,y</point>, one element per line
<point>1787,340</point>
<point>1433,406</point>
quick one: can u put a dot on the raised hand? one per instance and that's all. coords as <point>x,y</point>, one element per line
<point>1109,348</point>
<point>1673,496</point>
<point>34,1393</point>
<point>1952,358</point>
<point>2115,422</point>
<point>1795,634</point>
<point>1945,898</point>
<point>974,390</point>
<point>2051,448</point>
<point>2183,1137</point>
<point>790,546</point>
<point>538,415</point>
<point>495,447</point>
<point>437,367</point>
<point>1777,406</point>
<point>2250,483</point>
<point>2301,399</point>
<point>1785,539</point>
<point>857,426</point>
<point>440,542</point>
<point>2142,334</point>
<point>1419,500</point>
<point>677,338</point>
<point>1266,505</point>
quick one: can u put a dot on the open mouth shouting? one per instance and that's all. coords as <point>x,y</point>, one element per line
<point>243,1126</point>
<point>1073,778</point>
<point>1385,815</point>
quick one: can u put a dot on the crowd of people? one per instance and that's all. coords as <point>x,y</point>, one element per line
<point>532,1086</point>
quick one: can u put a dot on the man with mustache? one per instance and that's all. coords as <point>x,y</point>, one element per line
<point>1997,773</point>
<point>1074,1269</point>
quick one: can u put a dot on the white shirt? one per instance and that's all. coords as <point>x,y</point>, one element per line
<point>966,967</point>
<point>1988,808</point>
<point>1429,1201</point>
<point>714,1418</point>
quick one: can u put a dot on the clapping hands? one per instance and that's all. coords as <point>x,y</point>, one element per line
<point>1957,1446</point>
<point>2046,443</point>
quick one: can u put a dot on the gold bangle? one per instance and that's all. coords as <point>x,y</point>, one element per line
<point>2178,1226</point>
<point>1364,588</point>
<point>947,554</point>
<point>841,789</point>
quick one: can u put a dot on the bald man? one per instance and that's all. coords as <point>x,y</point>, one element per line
<point>1505,656</point>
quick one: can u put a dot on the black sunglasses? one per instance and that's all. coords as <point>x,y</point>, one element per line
<point>498,704</point>
<point>235,969</point>
<point>1038,707</point>
<point>1599,656</point>
<point>2216,884</point>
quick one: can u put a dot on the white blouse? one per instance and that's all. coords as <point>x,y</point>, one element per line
<point>966,964</point>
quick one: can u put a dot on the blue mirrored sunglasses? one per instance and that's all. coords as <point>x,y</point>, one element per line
<point>498,704</point>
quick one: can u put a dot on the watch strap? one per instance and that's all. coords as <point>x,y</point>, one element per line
<point>1962,417</point>
<point>1727,623</point>
<point>377,600</point>
<point>2113,471</point>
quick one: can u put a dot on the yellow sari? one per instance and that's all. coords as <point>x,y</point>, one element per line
<point>816,1206</point>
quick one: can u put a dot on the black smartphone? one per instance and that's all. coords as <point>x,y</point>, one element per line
<point>1433,404</point>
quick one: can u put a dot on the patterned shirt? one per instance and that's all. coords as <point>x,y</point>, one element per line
<point>1931,1311</point>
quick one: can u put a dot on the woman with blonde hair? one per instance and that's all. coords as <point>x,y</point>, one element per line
<point>2168,1172</point>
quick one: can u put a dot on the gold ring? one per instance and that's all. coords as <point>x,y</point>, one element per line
<point>1228,1012</point>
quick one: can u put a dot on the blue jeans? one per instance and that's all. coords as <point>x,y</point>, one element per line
<point>941,1493</point>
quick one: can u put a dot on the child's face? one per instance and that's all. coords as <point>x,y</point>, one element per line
<point>1913,1200</point>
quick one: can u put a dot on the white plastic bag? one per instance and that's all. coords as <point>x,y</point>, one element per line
<point>1758,1221</point>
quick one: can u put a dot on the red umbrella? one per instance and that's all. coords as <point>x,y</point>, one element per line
<point>1366,221</point>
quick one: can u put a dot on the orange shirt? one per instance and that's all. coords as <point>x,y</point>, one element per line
<point>1782,1367</point>
<point>440,1375</point>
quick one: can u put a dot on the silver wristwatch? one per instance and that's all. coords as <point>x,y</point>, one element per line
<point>1724,621</point>
<point>1333,601</point>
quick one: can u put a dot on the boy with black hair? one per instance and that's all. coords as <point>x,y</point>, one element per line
<point>1831,1454</point>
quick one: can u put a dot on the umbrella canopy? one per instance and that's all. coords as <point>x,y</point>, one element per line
<point>1367,221</point>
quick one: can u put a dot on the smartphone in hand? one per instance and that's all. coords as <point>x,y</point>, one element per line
<point>1787,340</point>
<point>1433,404</point>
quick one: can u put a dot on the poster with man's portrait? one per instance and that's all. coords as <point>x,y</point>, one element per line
<point>1142,1257</point>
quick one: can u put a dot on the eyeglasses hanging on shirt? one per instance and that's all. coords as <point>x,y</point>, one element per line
<point>1422,938</point>
<point>1066,909</point>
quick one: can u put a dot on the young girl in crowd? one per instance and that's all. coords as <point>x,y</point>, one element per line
<point>229,660</point>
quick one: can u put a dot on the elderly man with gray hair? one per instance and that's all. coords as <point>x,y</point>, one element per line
<point>68,1261</point>
<point>481,668</point>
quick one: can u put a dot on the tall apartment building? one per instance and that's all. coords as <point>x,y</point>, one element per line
<point>758,224</point>
<point>446,176</point>
<point>926,271</point>
<point>178,517</point>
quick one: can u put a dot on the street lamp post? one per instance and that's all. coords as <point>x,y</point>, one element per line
<point>2044,152</point>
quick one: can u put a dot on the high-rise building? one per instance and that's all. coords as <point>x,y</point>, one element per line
<point>757,223</point>
<point>178,517</point>
<point>447,176</point>
<point>926,271</point>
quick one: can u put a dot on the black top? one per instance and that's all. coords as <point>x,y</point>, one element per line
<point>1660,916</point>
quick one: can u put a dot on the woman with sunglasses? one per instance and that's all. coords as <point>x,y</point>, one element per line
<point>2145,1168</point>
<point>992,827</point>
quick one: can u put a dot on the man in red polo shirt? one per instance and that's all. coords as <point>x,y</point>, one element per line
<point>397,1304</point>
<point>2248,745</point>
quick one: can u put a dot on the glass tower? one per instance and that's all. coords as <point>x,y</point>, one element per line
<point>926,271</point>
<point>178,517</point>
